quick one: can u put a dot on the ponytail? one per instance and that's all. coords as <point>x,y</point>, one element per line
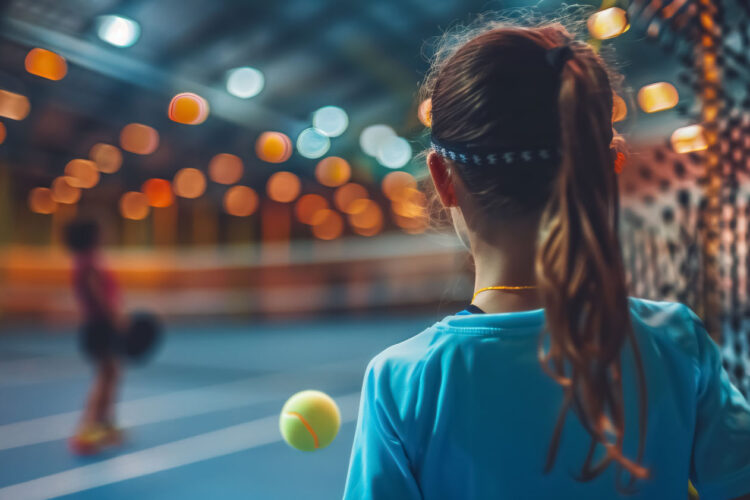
<point>581,277</point>
<point>507,87</point>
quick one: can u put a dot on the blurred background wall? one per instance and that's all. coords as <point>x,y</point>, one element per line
<point>258,159</point>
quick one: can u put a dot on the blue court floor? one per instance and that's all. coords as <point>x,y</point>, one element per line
<point>201,420</point>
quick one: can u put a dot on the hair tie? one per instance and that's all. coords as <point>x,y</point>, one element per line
<point>558,56</point>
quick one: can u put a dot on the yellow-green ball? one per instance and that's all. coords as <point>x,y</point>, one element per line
<point>309,420</point>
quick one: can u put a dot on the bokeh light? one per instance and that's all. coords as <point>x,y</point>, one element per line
<point>108,158</point>
<point>41,201</point>
<point>158,192</point>
<point>245,82</point>
<point>240,201</point>
<point>308,205</point>
<point>82,173</point>
<point>689,139</point>
<point>134,205</point>
<point>369,231</point>
<point>373,137</point>
<point>395,184</point>
<point>394,152</point>
<point>330,120</point>
<point>188,108</point>
<point>347,194</point>
<point>312,144</point>
<point>189,183</point>
<point>327,224</point>
<point>411,225</point>
<point>424,113</point>
<point>118,31</point>
<point>619,108</point>
<point>63,192</point>
<point>14,106</point>
<point>657,97</point>
<point>608,23</point>
<point>3,133</point>
<point>365,214</point>
<point>139,139</point>
<point>412,203</point>
<point>333,171</point>
<point>47,64</point>
<point>273,147</point>
<point>283,187</point>
<point>225,168</point>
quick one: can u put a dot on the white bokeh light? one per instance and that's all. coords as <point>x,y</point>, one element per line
<point>373,137</point>
<point>245,82</point>
<point>311,143</point>
<point>394,152</point>
<point>331,120</point>
<point>118,31</point>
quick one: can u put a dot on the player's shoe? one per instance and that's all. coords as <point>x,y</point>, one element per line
<point>95,438</point>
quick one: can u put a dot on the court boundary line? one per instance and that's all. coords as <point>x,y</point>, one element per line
<point>172,405</point>
<point>186,451</point>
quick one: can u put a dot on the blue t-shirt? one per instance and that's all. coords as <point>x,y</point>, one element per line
<point>464,411</point>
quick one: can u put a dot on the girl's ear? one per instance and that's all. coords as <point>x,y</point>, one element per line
<point>441,177</point>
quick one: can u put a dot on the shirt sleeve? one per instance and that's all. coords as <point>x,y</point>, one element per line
<point>379,467</point>
<point>720,466</point>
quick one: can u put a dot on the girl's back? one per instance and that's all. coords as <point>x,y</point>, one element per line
<point>585,393</point>
<point>464,410</point>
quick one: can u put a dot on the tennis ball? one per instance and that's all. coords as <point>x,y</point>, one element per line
<point>309,420</point>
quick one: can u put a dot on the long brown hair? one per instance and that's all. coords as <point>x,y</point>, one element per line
<point>498,89</point>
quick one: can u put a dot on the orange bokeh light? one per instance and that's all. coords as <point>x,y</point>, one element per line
<point>47,64</point>
<point>225,168</point>
<point>689,139</point>
<point>308,205</point>
<point>365,214</point>
<point>347,194</point>
<point>333,171</point>
<point>619,108</point>
<point>658,96</point>
<point>283,187</point>
<point>369,231</point>
<point>139,139</point>
<point>413,203</point>
<point>273,147</point>
<point>188,108</point>
<point>134,205</point>
<point>189,183</point>
<point>425,112</point>
<point>14,106</point>
<point>63,192</point>
<point>41,201</point>
<point>411,225</point>
<point>82,173</point>
<point>3,133</point>
<point>158,192</point>
<point>608,23</point>
<point>394,184</point>
<point>108,158</point>
<point>327,224</point>
<point>240,201</point>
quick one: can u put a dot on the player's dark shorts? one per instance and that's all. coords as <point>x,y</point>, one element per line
<point>99,339</point>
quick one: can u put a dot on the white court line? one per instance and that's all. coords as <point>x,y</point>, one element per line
<point>180,404</point>
<point>163,457</point>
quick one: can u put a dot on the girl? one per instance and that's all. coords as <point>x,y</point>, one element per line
<point>99,297</point>
<point>553,383</point>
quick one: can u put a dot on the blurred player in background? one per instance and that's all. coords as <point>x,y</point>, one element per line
<point>98,294</point>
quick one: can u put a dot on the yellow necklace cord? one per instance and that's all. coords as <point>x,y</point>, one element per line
<point>506,288</point>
